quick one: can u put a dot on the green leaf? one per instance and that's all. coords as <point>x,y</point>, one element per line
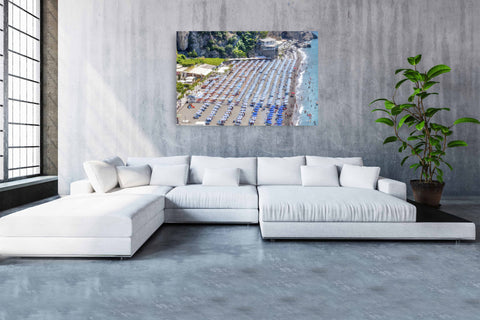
<point>386,121</point>
<point>412,75</point>
<point>457,143</point>
<point>399,70</point>
<point>389,104</point>
<point>402,121</point>
<point>411,138</point>
<point>439,152</point>
<point>423,95</point>
<point>417,58</point>
<point>411,98</point>
<point>440,178</point>
<point>440,172</point>
<point>390,139</point>
<point>438,70</point>
<point>403,160</point>
<point>437,127</point>
<point>383,110</point>
<point>414,60</point>
<point>420,126</point>
<point>381,99</point>
<point>407,105</point>
<point>396,110</point>
<point>464,120</point>
<point>415,166</point>
<point>448,165</point>
<point>431,111</point>
<point>399,83</point>
<point>429,84</point>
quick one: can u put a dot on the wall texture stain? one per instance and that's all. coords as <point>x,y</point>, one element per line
<point>117,78</point>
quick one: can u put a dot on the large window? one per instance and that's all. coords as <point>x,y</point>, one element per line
<point>21,85</point>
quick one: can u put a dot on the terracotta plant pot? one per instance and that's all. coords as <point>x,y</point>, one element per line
<point>428,193</point>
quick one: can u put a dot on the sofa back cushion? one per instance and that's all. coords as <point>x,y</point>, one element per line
<point>280,171</point>
<point>152,161</point>
<point>172,175</point>
<point>221,177</point>
<point>339,162</point>
<point>247,166</point>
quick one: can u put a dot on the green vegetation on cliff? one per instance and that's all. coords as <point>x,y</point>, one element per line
<point>187,62</point>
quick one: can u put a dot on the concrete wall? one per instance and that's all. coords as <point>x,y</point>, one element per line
<point>117,86</point>
<point>50,87</point>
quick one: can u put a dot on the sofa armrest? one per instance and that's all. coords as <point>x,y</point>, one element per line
<point>392,187</point>
<point>81,187</point>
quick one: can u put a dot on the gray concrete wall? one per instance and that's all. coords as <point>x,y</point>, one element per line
<point>117,78</point>
<point>50,87</point>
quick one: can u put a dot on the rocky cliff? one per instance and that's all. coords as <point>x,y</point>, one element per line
<point>293,35</point>
<point>182,40</point>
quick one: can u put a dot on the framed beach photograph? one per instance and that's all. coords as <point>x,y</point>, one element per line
<point>247,78</point>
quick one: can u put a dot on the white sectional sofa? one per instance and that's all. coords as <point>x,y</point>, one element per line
<point>291,198</point>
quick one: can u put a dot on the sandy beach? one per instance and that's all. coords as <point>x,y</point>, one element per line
<point>248,95</point>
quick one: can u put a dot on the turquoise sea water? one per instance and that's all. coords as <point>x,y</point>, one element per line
<point>308,89</point>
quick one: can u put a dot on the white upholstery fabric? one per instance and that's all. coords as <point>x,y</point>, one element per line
<point>247,166</point>
<point>134,176</point>
<point>101,175</point>
<point>209,197</point>
<point>172,175</point>
<point>392,187</point>
<point>81,187</point>
<point>115,161</point>
<point>280,171</point>
<point>359,177</point>
<point>84,216</point>
<point>331,204</point>
<point>211,215</point>
<point>155,190</point>
<point>45,246</point>
<point>320,176</point>
<point>221,177</point>
<point>369,230</point>
<point>339,162</point>
<point>152,161</point>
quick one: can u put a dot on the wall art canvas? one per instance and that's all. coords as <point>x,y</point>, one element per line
<point>247,78</point>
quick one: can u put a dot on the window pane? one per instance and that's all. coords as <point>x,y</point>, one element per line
<point>23,88</point>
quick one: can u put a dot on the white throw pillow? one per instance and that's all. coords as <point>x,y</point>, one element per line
<point>221,177</point>
<point>320,176</point>
<point>247,166</point>
<point>134,176</point>
<point>280,171</point>
<point>172,176</point>
<point>102,176</point>
<point>115,161</point>
<point>359,177</point>
<point>339,162</point>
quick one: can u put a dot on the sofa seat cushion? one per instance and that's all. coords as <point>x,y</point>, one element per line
<point>155,190</point>
<point>196,196</point>
<point>94,215</point>
<point>331,204</point>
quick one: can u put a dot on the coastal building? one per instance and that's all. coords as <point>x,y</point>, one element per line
<point>269,47</point>
<point>199,71</point>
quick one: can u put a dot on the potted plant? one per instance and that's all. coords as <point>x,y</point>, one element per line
<point>418,133</point>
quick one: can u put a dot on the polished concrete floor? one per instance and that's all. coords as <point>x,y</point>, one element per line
<point>229,272</point>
